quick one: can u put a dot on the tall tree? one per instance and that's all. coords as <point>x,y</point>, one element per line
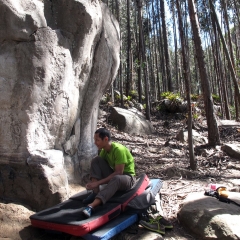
<point>175,44</point>
<point>230,64</point>
<point>143,55</point>
<point>166,50</point>
<point>161,50</point>
<point>129,70</point>
<point>213,133</point>
<point>155,50</point>
<point>187,86</point>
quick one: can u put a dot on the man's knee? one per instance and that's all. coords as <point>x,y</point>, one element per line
<point>116,178</point>
<point>121,181</point>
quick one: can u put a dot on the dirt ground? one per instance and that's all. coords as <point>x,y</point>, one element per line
<point>159,156</point>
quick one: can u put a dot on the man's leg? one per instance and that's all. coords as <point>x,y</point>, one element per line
<point>99,170</point>
<point>117,183</point>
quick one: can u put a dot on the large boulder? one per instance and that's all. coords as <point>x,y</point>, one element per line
<point>209,218</point>
<point>57,58</point>
<point>232,150</point>
<point>182,136</point>
<point>131,121</point>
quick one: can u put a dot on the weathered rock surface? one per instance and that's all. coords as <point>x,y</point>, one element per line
<point>131,121</point>
<point>232,150</point>
<point>56,60</point>
<point>182,136</point>
<point>14,218</point>
<point>228,123</point>
<point>208,218</point>
<point>174,106</point>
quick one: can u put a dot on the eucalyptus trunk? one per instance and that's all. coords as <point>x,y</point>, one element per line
<point>213,133</point>
<point>187,87</point>
<point>161,50</point>
<point>230,64</point>
<point>128,81</point>
<point>166,50</point>
<point>145,63</point>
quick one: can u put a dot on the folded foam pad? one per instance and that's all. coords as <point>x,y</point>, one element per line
<point>68,217</point>
<point>113,227</point>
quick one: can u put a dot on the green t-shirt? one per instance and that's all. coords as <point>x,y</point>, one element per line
<point>119,154</point>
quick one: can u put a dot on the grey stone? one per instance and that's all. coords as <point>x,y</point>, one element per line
<point>182,136</point>
<point>209,218</point>
<point>131,121</point>
<point>232,150</point>
<point>228,123</point>
<point>148,235</point>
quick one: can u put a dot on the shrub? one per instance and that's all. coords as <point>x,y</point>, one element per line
<point>171,96</point>
<point>133,94</point>
<point>216,98</point>
<point>194,97</point>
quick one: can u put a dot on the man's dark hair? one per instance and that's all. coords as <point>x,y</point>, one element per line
<point>103,132</point>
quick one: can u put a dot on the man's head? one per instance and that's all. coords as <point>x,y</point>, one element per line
<point>102,138</point>
<point>103,132</point>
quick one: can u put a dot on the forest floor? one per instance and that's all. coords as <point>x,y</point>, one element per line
<point>158,155</point>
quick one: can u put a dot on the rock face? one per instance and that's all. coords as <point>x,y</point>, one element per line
<point>182,136</point>
<point>209,218</point>
<point>56,60</point>
<point>232,150</point>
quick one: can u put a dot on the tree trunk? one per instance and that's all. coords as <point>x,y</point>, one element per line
<point>176,46</point>
<point>145,64</point>
<point>161,54</point>
<point>155,52</point>
<point>187,86</point>
<point>221,75</point>
<point>230,64</point>
<point>128,81</point>
<point>166,50</point>
<point>213,133</point>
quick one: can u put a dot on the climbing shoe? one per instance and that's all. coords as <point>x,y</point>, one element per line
<point>87,211</point>
<point>164,222</point>
<point>153,225</point>
<point>90,198</point>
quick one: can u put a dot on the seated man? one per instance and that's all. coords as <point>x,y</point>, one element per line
<point>114,166</point>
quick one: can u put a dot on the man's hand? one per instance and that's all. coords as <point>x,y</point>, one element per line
<point>95,184</point>
<point>92,185</point>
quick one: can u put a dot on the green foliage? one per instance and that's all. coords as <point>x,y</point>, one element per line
<point>129,98</point>
<point>216,98</point>
<point>133,94</point>
<point>117,98</point>
<point>171,96</point>
<point>194,97</point>
<point>159,107</point>
<point>195,116</point>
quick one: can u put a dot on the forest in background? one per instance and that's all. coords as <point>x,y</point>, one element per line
<point>166,44</point>
<point>181,49</point>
